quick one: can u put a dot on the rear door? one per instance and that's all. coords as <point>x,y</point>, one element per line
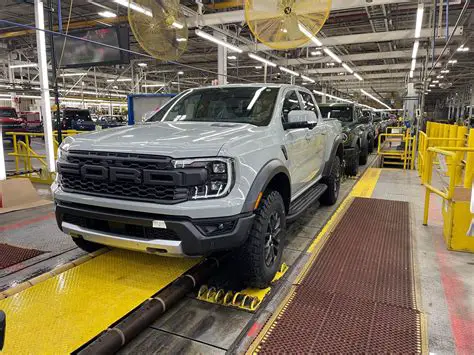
<point>318,138</point>
<point>296,144</point>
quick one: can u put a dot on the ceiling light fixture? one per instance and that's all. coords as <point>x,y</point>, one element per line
<point>304,77</point>
<point>432,85</point>
<point>263,60</point>
<point>134,6</point>
<point>29,65</point>
<point>143,65</point>
<point>177,25</point>
<point>308,34</point>
<point>416,45</point>
<point>358,77</point>
<point>286,70</point>
<point>181,73</point>
<point>435,81</point>
<point>440,77</point>
<point>345,66</point>
<point>314,53</point>
<point>107,14</point>
<point>258,67</point>
<point>411,73</point>
<point>452,61</point>
<point>232,57</point>
<point>413,64</point>
<point>374,98</point>
<point>419,20</point>
<point>65,75</point>
<point>332,96</point>
<point>181,39</point>
<point>463,49</point>
<point>207,36</point>
<point>332,55</point>
<point>119,80</point>
<point>446,71</point>
<point>159,85</point>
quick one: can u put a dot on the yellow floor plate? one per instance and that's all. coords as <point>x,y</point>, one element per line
<point>62,313</point>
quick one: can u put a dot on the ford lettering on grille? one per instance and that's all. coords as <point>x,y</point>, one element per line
<point>134,177</point>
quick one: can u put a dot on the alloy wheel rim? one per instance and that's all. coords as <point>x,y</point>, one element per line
<point>272,239</point>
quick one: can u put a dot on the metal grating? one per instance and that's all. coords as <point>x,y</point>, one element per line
<point>11,255</point>
<point>358,296</point>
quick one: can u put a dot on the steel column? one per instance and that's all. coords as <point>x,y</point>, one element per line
<point>44,85</point>
<point>221,59</point>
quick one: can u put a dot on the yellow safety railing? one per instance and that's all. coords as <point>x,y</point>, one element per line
<point>440,134</point>
<point>397,148</point>
<point>26,157</point>
<point>455,173</point>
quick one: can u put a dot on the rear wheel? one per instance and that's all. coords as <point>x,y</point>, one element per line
<point>352,165</point>
<point>260,256</point>
<point>364,154</point>
<point>333,181</point>
<point>371,145</point>
<point>85,245</point>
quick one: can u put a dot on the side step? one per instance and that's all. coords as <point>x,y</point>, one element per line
<point>299,205</point>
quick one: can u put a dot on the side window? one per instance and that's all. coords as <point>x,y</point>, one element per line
<point>290,103</point>
<point>308,102</point>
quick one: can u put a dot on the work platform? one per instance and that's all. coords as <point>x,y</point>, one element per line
<point>60,299</point>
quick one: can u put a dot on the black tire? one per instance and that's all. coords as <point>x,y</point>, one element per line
<point>371,145</point>
<point>85,245</point>
<point>333,181</point>
<point>352,166</point>
<point>259,260</point>
<point>364,155</point>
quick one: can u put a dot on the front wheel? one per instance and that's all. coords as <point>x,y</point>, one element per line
<point>352,165</point>
<point>260,256</point>
<point>364,155</point>
<point>371,144</point>
<point>333,181</point>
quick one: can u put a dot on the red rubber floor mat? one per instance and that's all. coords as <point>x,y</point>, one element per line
<point>11,255</point>
<point>358,296</point>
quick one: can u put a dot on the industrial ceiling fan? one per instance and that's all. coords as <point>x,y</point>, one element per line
<point>159,27</point>
<point>276,23</point>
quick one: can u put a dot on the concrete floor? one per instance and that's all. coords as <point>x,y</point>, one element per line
<point>197,327</point>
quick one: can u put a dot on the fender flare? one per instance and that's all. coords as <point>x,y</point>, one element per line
<point>328,164</point>
<point>262,180</point>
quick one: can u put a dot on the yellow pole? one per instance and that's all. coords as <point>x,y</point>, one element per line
<point>468,175</point>
<point>427,207</point>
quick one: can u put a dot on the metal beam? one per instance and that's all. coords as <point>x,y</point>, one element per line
<point>222,18</point>
<point>355,57</point>
<point>349,78</point>
<point>363,38</point>
<point>366,68</point>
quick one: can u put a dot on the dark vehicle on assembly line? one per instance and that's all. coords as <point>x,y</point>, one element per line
<point>358,133</point>
<point>75,119</point>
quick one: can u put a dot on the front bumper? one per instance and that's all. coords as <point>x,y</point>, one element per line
<point>163,235</point>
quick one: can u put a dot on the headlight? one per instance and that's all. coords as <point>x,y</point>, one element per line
<point>220,176</point>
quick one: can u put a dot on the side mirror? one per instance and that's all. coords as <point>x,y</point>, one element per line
<point>300,119</point>
<point>3,324</point>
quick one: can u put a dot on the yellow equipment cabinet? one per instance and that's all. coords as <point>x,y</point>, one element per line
<point>457,220</point>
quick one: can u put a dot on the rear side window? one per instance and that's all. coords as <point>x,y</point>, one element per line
<point>8,112</point>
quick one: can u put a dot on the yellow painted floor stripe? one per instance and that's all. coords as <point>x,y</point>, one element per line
<point>62,313</point>
<point>363,188</point>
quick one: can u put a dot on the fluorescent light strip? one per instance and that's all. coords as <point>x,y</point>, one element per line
<point>218,41</point>
<point>119,79</point>
<point>29,65</point>
<point>263,60</point>
<point>345,66</point>
<point>413,64</point>
<point>332,96</point>
<point>134,6</point>
<point>107,14</point>
<point>411,73</point>
<point>304,77</point>
<point>374,98</point>
<point>332,55</point>
<point>446,71</point>
<point>358,77</point>
<point>72,74</point>
<point>154,85</point>
<point>308,34</point>
<point>416,45</point>
<point>419,20</point>
<point>286,70</point>
<point>177,25</point>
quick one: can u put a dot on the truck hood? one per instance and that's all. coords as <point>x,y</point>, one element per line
<point>174,139</point>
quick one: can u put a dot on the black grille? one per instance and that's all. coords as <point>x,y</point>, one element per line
<point>124,229</point>
<point>124,189</point>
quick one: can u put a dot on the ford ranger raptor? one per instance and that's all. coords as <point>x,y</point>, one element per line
<point>215,169</point>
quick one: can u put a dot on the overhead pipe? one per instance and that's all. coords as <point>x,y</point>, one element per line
<point>466,5</point>
<point>116,337</point>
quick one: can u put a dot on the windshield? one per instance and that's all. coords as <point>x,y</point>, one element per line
<point>253,105</point>
<point>342,113</point>
<point>76,115</point>
<point>8,112</point>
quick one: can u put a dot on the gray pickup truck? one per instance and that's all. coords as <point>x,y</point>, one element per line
<point>215,169</point>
